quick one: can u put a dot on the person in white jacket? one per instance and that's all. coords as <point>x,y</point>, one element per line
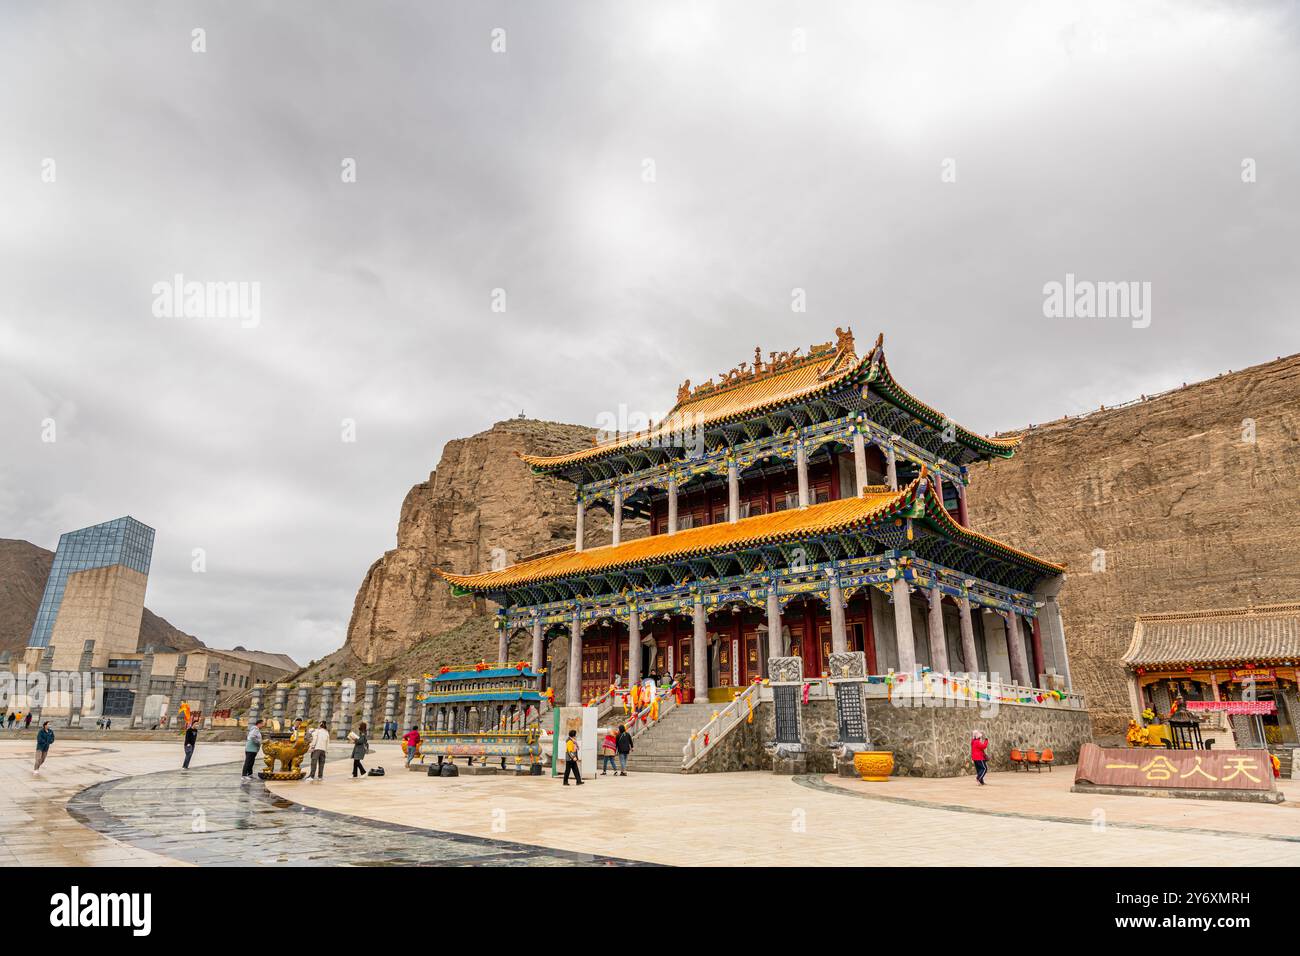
<point>320,741</point>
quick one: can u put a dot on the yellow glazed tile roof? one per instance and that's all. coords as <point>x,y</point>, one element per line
<point>692,542</point>
<point>716,407</point>
<point>816,373</point>
<point>831,517</point>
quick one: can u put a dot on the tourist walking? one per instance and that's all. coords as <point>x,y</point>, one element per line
<point>571,759</point>
<point>320,741</point>
<point>12,718</point>
<point>27,721</point>
<point>979,745</point>
<point>251,746</point>
<point>623,744</point>
<point>412,739</point>
<point>360,747</point>
<point>191,738</point>
<point>608,748</point>
<point>44,737</point>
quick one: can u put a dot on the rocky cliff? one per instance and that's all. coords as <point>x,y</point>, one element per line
<point>481,499</point>
<point>1179,502</point>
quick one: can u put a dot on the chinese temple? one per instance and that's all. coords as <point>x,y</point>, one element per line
<point>800,505</point>
<point>1233,667</point>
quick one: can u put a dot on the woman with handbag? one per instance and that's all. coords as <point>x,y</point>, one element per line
<point>360,747</point>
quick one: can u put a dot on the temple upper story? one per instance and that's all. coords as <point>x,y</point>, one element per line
<point>827,390</point>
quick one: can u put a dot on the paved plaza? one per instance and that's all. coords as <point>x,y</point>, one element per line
<point>121,802</point>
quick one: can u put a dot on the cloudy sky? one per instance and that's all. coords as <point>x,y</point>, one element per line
<point>648,184</point>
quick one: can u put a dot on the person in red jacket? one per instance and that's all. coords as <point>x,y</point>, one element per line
<point>979,745</point>
<point>412,739</point>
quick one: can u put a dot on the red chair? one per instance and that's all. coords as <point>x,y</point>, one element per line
<point>1032,760</point>
<point>1018,760</point>
<point>1045,760</point>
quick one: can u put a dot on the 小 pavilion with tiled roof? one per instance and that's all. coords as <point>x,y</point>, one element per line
<point>1236,661</point>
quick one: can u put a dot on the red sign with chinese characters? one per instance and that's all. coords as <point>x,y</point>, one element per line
<point>1174,769</point>
<point>1255,673</point>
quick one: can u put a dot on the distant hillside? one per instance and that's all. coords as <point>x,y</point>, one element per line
<point>23,570</point>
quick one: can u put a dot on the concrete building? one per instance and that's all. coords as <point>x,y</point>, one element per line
<point>83,659</point>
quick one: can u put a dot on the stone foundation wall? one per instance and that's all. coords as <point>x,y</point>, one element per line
<point>935,741</point>
<point>926,741</point>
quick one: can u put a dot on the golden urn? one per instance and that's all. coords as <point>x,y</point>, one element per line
<point>288,750</point>
<point>874,765</point>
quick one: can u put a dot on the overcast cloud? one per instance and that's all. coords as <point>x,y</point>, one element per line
<point>794,145</point>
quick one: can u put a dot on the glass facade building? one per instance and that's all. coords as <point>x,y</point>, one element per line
<point>123,541</point>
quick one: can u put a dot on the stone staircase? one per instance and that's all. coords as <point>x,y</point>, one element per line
<point>659,748</point>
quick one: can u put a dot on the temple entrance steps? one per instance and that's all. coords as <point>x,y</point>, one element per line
<point>659,748</point>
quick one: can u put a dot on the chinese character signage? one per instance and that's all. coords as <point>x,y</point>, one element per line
<point>1175,769</point>
<point>1255,674</point>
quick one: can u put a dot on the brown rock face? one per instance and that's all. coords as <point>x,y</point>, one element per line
<point>481,498</point>
<point>1163,505</point>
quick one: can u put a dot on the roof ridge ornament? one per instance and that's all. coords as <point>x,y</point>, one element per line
<point>777,362</point>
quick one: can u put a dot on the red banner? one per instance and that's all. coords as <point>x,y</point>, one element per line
<point>1175,769</point>
<point>1251,707</point>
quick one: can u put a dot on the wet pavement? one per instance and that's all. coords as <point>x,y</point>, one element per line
<point>207,817</point>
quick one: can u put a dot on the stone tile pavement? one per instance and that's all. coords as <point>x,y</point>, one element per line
<point>127,803</point>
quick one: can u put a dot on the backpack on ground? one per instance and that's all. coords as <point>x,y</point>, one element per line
<point>376,772</point>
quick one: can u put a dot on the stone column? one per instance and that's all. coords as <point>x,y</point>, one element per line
<point>210,694</point>
<point>700,651</point>
<point>343,712</point>
<point>775,645</point>
<point>144,684</point>
<point>582,515</point>
<point>618,516</point>
<point>573,689</point>
<point>1016,650</point>
<point>860,461</point>
<point>77,698</point>
<point>903,627</point>
<point>408,707</point>
<point>390,701</point>
<point>835,598</point>
<point>281,703</point>
<point>1036,645</point>
<point>327,702</point>
<point>963,516</point>
<point>672,506</point>
<point>503,642</point>
<point>891,473</point>
<point>733,492</point>
<point>304,702</point>
<point>1052,628</point>
<point>368,703</point>
<point>255,703</point>
<point>801,466</point>
<point>633,645</point>
<point>968,652</point>
<point>539,650</point>
<point>934,629</point>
